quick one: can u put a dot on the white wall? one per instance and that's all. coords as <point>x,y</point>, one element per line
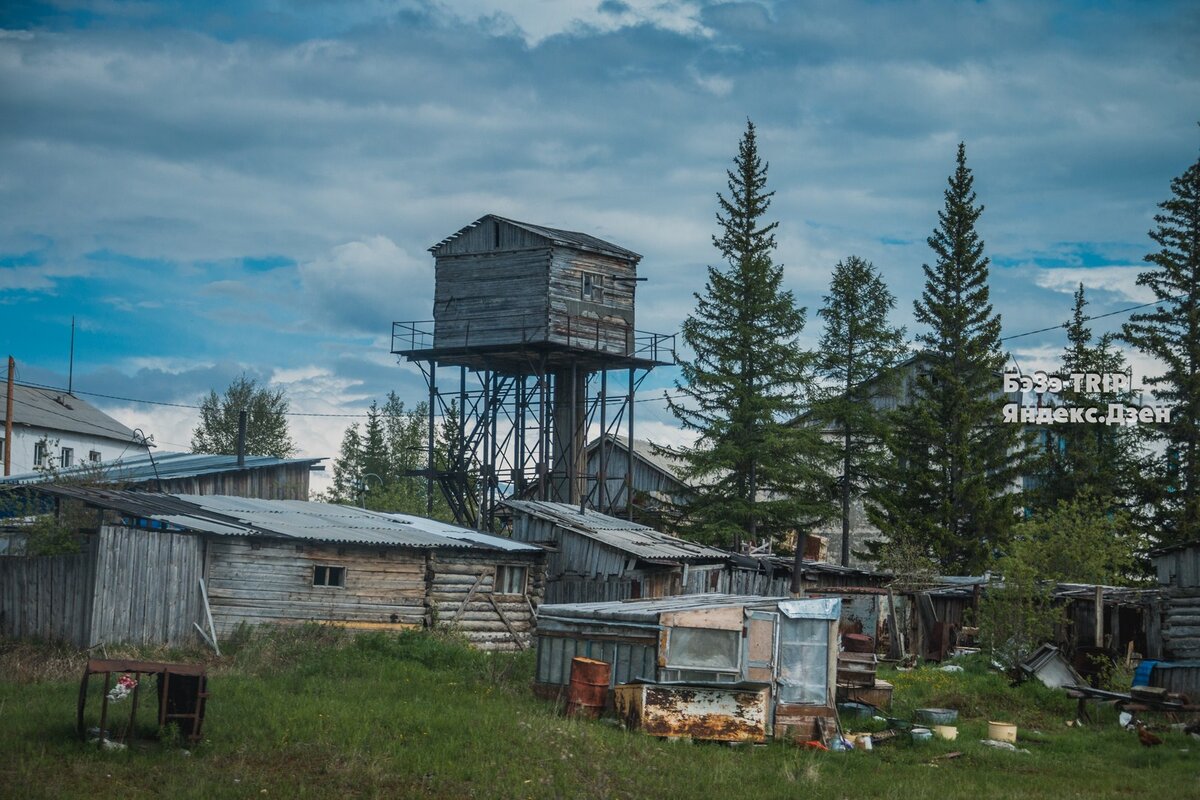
<point>25,438</point>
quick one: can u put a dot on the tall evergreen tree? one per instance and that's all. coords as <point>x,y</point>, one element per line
<point>381,461</point>
<point>1171,334</point>
<point>1101,462</point>
<point>857,352</point>
<point>755,473</point>
<point>955,461</point>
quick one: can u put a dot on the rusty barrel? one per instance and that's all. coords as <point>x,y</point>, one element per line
<point>858,643</point>
<point>588,692</point>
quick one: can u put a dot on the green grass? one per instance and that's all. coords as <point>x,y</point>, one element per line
<point>315,712</point>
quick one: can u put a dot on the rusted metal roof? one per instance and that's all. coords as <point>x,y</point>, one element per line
<point>629,537</point>
<point>648,611</point>
<point>222,515</point>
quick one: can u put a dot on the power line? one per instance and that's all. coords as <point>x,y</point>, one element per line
<point>1088,319</point>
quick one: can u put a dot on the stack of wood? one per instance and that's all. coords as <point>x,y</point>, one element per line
<point>856,662</point>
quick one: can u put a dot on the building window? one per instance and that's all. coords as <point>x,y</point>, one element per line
<point>329,576</point>
<point>509,579</point>
<point>94,456</point>
<point>67,458</point>
<point>705,648</point>
<point>39,454</point>
<point>1,449</point>
<point>593,287</point>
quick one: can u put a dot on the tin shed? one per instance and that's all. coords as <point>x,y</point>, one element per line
<point>597,557</point>
<point>786,646</point>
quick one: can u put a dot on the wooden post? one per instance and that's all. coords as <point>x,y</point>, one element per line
<point>8,420</point>
<point>1099,609</point>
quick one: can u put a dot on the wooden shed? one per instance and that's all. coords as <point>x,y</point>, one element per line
<point>502,284</point>
<point>1178,572</point>
<point>786,646</point>
<point>138,578</point>
<point>593,556</point>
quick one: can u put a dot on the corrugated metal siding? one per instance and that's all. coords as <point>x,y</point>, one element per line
<point>147,586</point>
<point>47,597</point>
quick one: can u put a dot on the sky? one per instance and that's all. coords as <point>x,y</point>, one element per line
<point>251,186</point>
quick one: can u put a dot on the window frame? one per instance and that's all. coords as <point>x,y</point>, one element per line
<point>591,287</point>
<point>66,457</point>
<point>328,572</point>
<point>524,581</point>
<point>735,638</point>
<point>40,451</point>
<point>94,456</point>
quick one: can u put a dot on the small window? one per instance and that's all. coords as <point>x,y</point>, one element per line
<point>94,456</point>
<point>1,449</point>
<point>39,454</point>
<point>705,648</point>
<point>593,287</point>
<point>510,579</point>
<point>68,457</point>
<point>329,576</point>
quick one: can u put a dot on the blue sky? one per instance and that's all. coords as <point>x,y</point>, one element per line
<point>211,188</point>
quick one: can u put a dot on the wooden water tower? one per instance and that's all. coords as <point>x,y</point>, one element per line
<point>538,325</point>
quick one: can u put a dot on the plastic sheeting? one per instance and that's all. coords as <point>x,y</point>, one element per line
<point>814,608</point>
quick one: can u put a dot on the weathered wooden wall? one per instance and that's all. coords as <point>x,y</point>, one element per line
<point>489,620</point>
<point>495,299</point>
<point>147,586</point>
<point>1179,575</point>
<point>604,326</point>
<point>284,482</point>
<point>47,597</point>
<point>273,582</point>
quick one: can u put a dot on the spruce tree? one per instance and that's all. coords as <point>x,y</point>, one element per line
<point>955,461</point>
<point>1101,462</point>
<point>1171,334</point>
<point>754,473</point>
<point>857,353</point>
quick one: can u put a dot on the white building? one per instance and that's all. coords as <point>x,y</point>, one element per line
<point>52,429</point>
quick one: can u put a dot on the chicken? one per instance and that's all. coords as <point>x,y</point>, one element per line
<point>1147,738</point>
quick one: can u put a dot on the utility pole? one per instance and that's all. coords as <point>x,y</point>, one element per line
<point>8,412</point>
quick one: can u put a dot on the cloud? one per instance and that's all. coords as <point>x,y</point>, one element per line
<point>365,285</point>
<point>1117,280</point>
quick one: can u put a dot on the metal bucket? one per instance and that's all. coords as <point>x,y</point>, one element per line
<point>588,693</point>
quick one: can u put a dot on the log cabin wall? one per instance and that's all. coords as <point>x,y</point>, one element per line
<point>465,597</point>
<point>1179,576</point>
<point>257,581</point>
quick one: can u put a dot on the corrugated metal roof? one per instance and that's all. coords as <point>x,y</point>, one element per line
<point>558,236</point>
<point>58,410</point>
<point>647,452</point>
<point>649,610</point>
<point>222,515</point>
<point>629,537</point>
<point>141,468</point>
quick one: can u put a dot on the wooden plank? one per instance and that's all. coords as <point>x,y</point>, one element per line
<point>467,601</point>
<point>208,615</point>
<point>507,624</point>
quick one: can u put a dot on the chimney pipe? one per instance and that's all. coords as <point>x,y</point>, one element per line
<point>241,442</point>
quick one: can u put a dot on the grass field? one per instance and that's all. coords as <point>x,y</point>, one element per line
<point>315,712</point>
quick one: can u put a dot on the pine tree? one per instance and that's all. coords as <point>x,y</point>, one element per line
<point>1079,459</point>
<point>1171,334</point>
<point>754,473</point>
<point>267,431</point>
<point>380,464</point>
<point>955,461</point>
<point>857,353</point>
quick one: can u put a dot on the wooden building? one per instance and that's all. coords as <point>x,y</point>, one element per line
<point>264,477</point>
<point>788,647</point>
<point>659,493</point>
<point>138,578</point>
<point>503,284</point>
<point>593,556</point>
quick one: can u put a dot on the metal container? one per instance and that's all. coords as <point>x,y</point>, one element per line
<point>588,691</point>
<point>858,643</point>
<point>947,732</point>
<point>921,734</point>
<point>736,713</point>
<point>937,716</point>
<point>1002,731</point>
